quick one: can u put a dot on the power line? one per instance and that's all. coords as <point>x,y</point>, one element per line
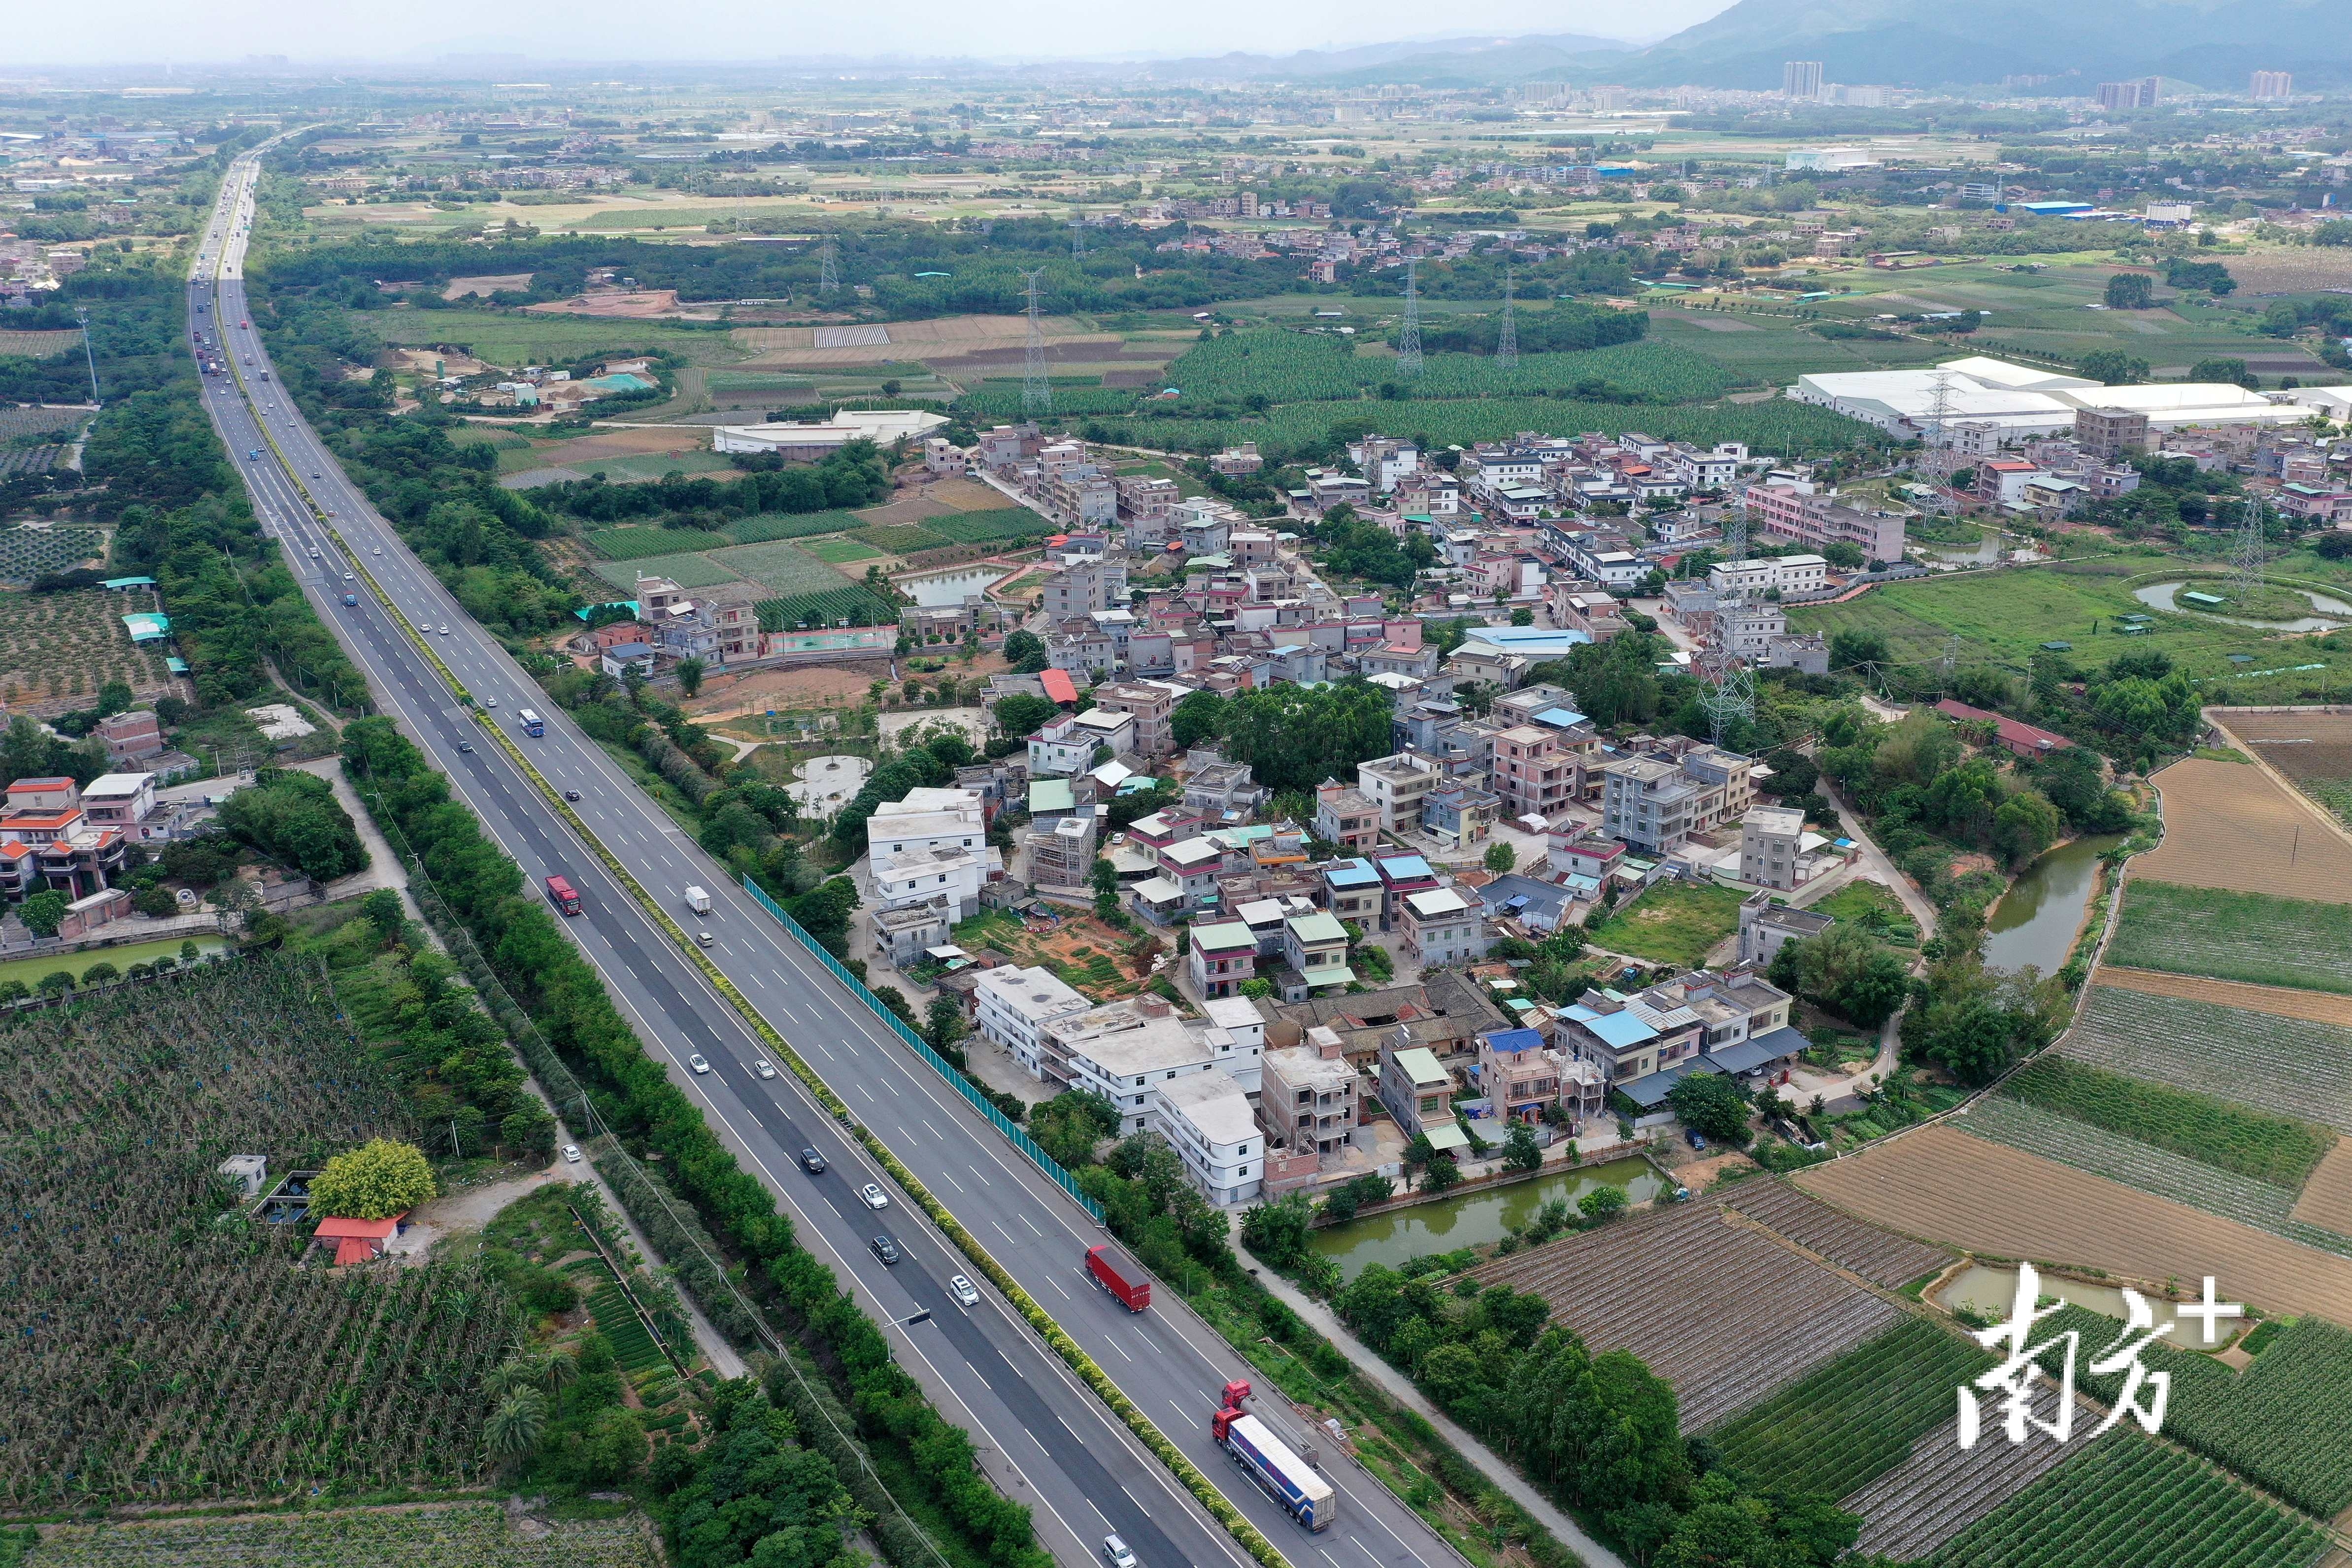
<point>81,314</point>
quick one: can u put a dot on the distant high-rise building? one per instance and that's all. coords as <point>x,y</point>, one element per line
<point>1801,79</point>
<point>2267,84</point>
<point>2121,95</point>
<point>2147,92</point>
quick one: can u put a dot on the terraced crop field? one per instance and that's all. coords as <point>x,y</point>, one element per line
<point>2288,1066</point>
<point>2126,1502</point>
<point>1852,1419</point>
<point>640,543</point>
<point>1661,1286</point>
<point>2036,1130</point>
<point>473,1534</point>
<point>2235,935</point>
<point>764,526</point>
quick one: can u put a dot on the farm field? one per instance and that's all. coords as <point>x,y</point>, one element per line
<point>1879,1256</point>
<point>514,339</point>
<point>2227,1137</point>
<point>1774,351</point>
<point>1852,1419</point>
<point>632,543</point>
<point>778,565</point>
<point>471,1535</point>
<point>1777,426</point>
<point>1675,922</point>
<point>135,1368</point>
<point>855,603</point>
<point>1657,1286</point>
<point>764,526</point>
<point>1991,1198</point>
<point>840,550</point>
<point>60,646</point>
<point>26,552</point>
<point>2126,1502</point>
<point>1942,1488</point>
<point>2230,935</point>
<point>40,419</point>
<point>973,528</point>
<point>2288,1066</point>
<point>1295,366</point>
<point>905,539</point>
<point>2313,750</point>
<point>2004,617</point>
<point>2158,1171</point>
<point>2284,1423</point>
<point>2226,825</point>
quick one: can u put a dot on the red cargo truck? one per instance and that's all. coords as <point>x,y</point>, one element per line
<point>563,895</point>
<point>1116,1272</point>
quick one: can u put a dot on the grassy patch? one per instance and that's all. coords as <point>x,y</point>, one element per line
<point>2212,1132</point>
<point>1854,1418</point>
<point>2248,937</point>
<point>769,526</point>
<point>982,528</point>
<point>1672,923</point>
<point>511,338</point>
<point>905,539</point>
<point>1875,909</point>
<point>834,551</point>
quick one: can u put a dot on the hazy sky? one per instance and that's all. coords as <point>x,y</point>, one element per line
<point>138,32</point>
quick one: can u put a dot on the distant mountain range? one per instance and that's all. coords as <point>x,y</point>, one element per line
<point>1900,43</point>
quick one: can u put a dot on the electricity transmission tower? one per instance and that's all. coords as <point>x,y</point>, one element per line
<point>1409,340</point>
<point>2250,555</point>
<point>81,315</point>
<point>1728,700</point>
<point>1936,453</point>
<point>1077,237</point>
<point>1036,391</point>
<point>1949,662</point>
<point>828,256</point>
<point>1507,345</point>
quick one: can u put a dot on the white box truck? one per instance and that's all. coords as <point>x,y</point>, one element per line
<point>698,900</point>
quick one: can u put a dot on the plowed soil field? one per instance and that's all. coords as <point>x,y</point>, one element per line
<point>2327,1198</point>
<point>1940,1182</point>
<point>2282,1001</point>
<point>2231,826</point>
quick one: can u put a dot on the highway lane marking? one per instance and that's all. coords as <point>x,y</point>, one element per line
<point>867,1093</point>
<point>976,1421</point>
<point>1033,1227</point>
<point>1327,1557</point>
<point>1057,1285</point>
<point>1120,1348</point>
<point>934,1131</point>
<point>1006,1234</point>
<point>953,1183</point>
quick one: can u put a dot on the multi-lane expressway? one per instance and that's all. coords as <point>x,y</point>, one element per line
<point>1057,1447</point>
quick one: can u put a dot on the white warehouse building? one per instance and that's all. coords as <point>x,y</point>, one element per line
<point>2017,401</point>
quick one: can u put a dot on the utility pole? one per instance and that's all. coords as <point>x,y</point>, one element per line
<point>1036,390</point>
<point>81,314</point>
<point>1409,340</point>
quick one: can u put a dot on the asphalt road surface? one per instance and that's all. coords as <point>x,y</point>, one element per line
<point>1056,1446</point>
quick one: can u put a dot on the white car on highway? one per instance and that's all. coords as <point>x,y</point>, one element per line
<point>698,1064</point>
<point>874,1197</point>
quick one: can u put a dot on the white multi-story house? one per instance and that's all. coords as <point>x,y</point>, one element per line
<point>1130,1051</point>
<point>1068,744</point>
<point>1441,926</point>
<point>927,819</point>
<point>1015,1005</point>
<point>921,876</point>
<point>1207,1119</point>
<point>1788,573</point>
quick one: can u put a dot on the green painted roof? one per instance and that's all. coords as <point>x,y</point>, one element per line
<point>1420,1064</point>
<point>1051,795</point>
<point>1320,926</point>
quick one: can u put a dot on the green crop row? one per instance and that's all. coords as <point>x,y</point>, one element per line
<point>2211,1132</point>
<point>982,528</point>
<point>2284,1423</point>
<point>1856,1418</point>
<point>2126,1502</point>
<point>766,526</point>
<point>2248,937</point>
<point>1290,367</point>
<point>859,606</point>
<point>2297,1068</point>
<point>637,544</point>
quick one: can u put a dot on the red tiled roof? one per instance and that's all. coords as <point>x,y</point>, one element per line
<point>354,1249</point>
<point>1058,685</point>
<point>2011,732</point>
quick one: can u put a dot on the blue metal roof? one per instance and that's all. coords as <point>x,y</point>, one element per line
<point>1516,1039</point>
<point>1619,1030</point>
<point>1399,867</point>
<point>1559,717</point>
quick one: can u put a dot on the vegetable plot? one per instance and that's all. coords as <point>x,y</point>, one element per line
<point>473,1534</point>
<point>2267,1148</point>
<point>2248,937</point>
<point>2290,1067</point>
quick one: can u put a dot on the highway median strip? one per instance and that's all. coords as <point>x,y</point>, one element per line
<point>1042,1322</point>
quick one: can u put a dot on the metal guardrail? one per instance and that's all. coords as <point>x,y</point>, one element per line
<point>946,1069</point>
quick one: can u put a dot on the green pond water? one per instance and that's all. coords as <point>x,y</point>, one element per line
<point>1474,1217</point>
<point>2036,920</point>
